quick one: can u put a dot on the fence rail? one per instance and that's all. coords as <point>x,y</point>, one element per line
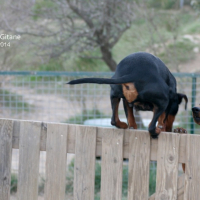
<point>89,142</point>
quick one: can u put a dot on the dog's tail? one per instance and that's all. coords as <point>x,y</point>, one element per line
<point>123,79</point>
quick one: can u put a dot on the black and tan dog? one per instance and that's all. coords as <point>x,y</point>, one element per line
<point>196,118</point>
<point>196,115</point>
<point>144,82</point>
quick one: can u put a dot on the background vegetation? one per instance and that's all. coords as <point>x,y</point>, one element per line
<point>164,28</point>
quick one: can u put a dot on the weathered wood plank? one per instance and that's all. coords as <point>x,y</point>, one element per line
<point>29,151</point>
<point>112,163</point>
<point>167,166</point>
<point>182,148</point>
<point>84,168</point>
<point>139,159</point>
<point>15,135</point>
<point>181,181</point>
<point>56,148</point>
<point>192,173</point>
<point>71,143</point>
<point>6,130</point>
<point>43,137</point>
<point>181,184</point>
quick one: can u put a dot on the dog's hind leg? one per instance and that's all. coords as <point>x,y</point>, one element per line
<point>129,114</point>
<point>115,117</point>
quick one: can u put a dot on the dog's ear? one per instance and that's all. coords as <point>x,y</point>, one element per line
<point>182,96</point>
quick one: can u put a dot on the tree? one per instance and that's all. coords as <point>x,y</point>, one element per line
<point>76,25</point>
<point>196,4</point>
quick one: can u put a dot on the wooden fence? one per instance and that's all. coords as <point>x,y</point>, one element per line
<point>88,142</point>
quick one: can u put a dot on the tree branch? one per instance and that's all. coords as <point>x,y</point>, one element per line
<point>81,14</point>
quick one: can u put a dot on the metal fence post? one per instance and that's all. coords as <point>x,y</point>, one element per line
<point>194,79</point>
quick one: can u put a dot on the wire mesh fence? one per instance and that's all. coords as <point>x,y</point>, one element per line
<point>44,96</point>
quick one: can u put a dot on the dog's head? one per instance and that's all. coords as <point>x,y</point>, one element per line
<point>177,99</point>
<point>196,114</point>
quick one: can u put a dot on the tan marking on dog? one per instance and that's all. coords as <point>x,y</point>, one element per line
<point>119,124</point>
<point>129,92</point>
<point>131,118</point>
<point>161,124</point>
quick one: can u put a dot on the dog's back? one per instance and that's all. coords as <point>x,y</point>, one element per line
<point>137,67</point>
<point>144,66</point>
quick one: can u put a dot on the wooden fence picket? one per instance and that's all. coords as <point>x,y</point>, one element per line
<point>167,166</point>
<point>112,164</point>
<point>6,129</point>
<point>84,168</point>
<point>192,174</point>
<point>29,153</point>
<point>139,159</point>
<point>56,155</point>
<point>112,145</point>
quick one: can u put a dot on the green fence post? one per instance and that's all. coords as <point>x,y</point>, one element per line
<point>194,79</point>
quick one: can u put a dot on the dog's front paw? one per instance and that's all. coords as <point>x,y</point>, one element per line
<point>158,130</point>
<point>161,127</point>
<point>180,130</point>
<point>119,124</point>
<point>123,125</point>
<point>154,132</point>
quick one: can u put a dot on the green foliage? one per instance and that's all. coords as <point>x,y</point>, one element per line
<point>86,114</point>
<point>152,178</point>
<point>125,180</point>
<point>41,6</point>
<point>70,178</point>
<point>165,41</point>
<point>30,80</point>
<point>181,50</point>
<point>163,4</point>
<point>88,64</point>
<point>13,183</point>
<point>196,5</point>
<point>52,65</point>
<point>97,177</point>
<point>170,24</point>
<point>41,185</point>
<point>193,27</point>
<point>13,100</point>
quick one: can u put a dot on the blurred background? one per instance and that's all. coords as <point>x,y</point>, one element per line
<point>61,40</point>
